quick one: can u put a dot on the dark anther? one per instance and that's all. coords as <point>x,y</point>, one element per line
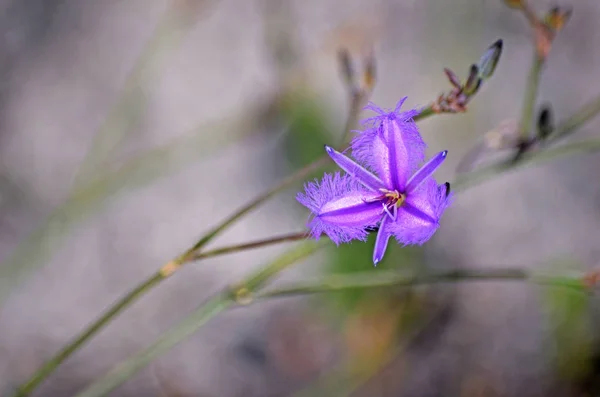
<point>545,124</point>
<point>447,184</point>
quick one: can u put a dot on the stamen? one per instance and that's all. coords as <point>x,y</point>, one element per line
<point>394,198</point>
<point>387,211</point>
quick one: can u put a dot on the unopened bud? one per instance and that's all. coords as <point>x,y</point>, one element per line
<point>346,68</point>
<point>557,18</point>
<point>370,73</point>
<point>489,60</point>
<point>514,3</point>
<point>473,81</point>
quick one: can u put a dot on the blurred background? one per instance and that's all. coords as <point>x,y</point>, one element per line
<point>109,169</point>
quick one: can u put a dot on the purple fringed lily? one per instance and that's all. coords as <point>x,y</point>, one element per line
<point>398,197</point>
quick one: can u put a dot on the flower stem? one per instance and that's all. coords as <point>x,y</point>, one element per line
<point>73,346</point>
<point>368,280</point>
<point>241,294</point>
<point>587,112</point>
<point>246,246</point>
<point>133,296</point>
<point>337,283</point>
<point>426,112</point>
<point>474,178</point>
<point>284,184</point>
<point>530,96</point>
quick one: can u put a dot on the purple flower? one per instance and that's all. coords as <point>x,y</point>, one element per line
<point>390,191</point>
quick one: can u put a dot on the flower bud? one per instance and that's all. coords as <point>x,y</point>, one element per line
<point>489,60</point>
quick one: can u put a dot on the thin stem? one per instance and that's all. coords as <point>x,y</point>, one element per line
<point>85,199</point>
<point>186,328</point>
<point>586,113</point>
<point>426,112</point>
<point>284,184</point>
<point>369,280</point>
<point>73,346</point>
<point>474,178</point>
<point>132,297</point>
<point>357,101</point>
<point>241,294</point>
<point>247,246</point>
<point>531,92</point>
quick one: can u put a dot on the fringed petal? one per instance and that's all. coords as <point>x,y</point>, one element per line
<point>419,217</point>
<point>392,146</point>
<point>341,207</point>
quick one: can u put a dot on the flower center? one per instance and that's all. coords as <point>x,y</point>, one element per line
<point>394,198</point>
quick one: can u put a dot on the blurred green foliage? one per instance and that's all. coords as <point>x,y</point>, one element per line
<point>568,313</point>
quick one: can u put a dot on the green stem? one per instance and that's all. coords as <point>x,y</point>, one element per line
<point>215,305</point>
<point>84,200</point>
<point>186,328</point>
<point>530,96</point>
<point>284,184</point>
<point>531,158</point>
<point>369,280</point>
<point>247,246</point>
<point>428,111</point>
<point>132,297</point>
<point>337,283</point>
<point>73,346</point>
<point>583,115</point>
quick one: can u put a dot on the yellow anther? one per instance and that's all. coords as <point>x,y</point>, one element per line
<point>395,197</point>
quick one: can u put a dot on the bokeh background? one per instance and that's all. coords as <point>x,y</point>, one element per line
<point>233,96</point>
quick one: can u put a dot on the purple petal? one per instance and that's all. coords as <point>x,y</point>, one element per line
<point>340,208</point>
<point>392,146</point>
<point>425,171</point>
<point>351,210</point>
<point>419,216</point>
<point>354,169</point>
<point>381,242</point>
